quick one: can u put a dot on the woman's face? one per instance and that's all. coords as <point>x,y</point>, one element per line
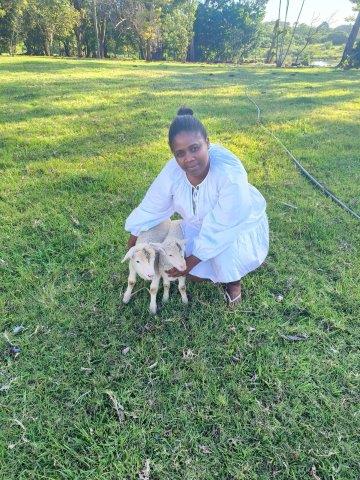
<point>191,152</point>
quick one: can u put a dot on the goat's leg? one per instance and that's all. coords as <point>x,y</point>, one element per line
<point>154,287</point>
<point>166,285</point>
<point>131,283</point>
<point>182,290</point>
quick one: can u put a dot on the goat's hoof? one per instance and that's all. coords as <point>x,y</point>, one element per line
<point>165,299</point>
<point>153,310</point>
<point>126,299</point>
<point>185,301</point>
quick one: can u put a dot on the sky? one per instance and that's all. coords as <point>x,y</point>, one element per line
<point>324,9</point>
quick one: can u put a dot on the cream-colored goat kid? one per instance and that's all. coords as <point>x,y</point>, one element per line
<point>172,254</point>
<point>143,261</point>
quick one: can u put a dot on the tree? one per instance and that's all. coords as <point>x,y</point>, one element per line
<point>274,39</point>
<point>10,24</point>
<point>282,57</point>
<point>49,19</point>
<point>144,19</point>
<point>227,30</point>
<point>177,30</point>
<point>308,34</point>
<point>348,50</point>
<point>79,29</point>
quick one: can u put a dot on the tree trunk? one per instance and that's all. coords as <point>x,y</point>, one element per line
<point>96,29</point>
<point>79,42</point>
<point>47,47</point>
<point>67,48</point>
<point>278,35</point>
<point>142,55</point>
<point>279,58</point>
<point>271,53</point>
<point>301,51</point>
<point>293,32</point>
<point>191,51</point>
<point>350,41</point>
<point>148,51</point>
<point>102,31</point>
<point>12,46</point>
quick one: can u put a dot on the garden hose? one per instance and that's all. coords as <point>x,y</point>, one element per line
<point>312,179</point>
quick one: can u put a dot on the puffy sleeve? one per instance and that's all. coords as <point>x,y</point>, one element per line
<point>156,206</point>
<point>238,209</point>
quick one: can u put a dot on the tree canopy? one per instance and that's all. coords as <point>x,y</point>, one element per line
<point>196,30</point>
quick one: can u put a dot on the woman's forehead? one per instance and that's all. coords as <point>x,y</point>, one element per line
<point>185,139</point>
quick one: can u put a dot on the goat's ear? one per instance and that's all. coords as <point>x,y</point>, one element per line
<point>157,246</point>
<point>129,254</point>
<point>182,243</point>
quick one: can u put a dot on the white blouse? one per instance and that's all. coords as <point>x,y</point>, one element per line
<point>221,208</point>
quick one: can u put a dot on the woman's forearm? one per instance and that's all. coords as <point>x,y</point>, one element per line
<point>131,241</point>
<point>191,262</point>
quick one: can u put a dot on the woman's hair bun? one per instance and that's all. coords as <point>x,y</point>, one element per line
<point>185,111</point>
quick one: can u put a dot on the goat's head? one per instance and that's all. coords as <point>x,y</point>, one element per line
<point>174,252</point>
<point>142,256</point>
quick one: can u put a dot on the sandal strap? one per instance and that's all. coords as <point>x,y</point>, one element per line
<point>229,299</point>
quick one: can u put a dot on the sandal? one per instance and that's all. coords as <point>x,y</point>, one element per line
<point>232,302</point>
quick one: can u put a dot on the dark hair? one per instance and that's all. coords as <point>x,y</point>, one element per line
<point>185,122</point>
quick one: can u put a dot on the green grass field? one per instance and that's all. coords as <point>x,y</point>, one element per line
<point>205,393</point>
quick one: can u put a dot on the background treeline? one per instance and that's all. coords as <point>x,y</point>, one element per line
<point>219,30</point>
<point>210,30</point>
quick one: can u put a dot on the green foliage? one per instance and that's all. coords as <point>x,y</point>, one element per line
<point>10,24</point>
<point>227,30</point>
<point>177,30</point>
<point>223,30</point>
<point>46,20</point>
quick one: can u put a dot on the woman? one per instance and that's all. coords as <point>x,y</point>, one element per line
<point>224,217</point>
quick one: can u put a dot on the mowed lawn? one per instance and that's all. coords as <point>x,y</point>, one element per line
<point>97,388</point>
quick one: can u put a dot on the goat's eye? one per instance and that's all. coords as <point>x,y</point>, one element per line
<point>137,261</point>
<point>170,255</point>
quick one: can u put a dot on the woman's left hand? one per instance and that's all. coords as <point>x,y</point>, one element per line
<point>191,262</point>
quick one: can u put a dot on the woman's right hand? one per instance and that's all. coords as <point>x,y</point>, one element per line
<point>131,241</point>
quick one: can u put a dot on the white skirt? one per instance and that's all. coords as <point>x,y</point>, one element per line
<point>244,255</point>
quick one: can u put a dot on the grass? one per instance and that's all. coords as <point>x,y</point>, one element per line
<point>206,393</point>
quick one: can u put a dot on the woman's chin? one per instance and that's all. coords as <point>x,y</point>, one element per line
<point>194,172</point>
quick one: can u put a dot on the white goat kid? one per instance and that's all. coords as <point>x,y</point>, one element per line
<point>172,254</point>
<point>148,265</point>
<point>143,262</point>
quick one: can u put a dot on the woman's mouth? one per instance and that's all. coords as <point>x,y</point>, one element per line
<point>195,166</point>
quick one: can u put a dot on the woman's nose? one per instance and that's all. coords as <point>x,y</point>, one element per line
<point>189,158</point>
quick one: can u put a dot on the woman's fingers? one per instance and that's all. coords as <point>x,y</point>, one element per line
<point>174,272</point>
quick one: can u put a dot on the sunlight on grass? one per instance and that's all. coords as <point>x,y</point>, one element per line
<point>81,142</point>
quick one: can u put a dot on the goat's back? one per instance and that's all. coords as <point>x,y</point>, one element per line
<point>155,234</point>
<point>175,230</point>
